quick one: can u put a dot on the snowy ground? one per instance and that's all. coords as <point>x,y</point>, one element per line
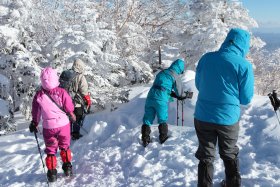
<point>110,154</point>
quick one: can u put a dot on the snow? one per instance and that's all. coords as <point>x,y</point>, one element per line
<point>4,80</point>
<point>110,154</point>
<point>10,34</point>
<point>4,11</point>
<point>4,112</point>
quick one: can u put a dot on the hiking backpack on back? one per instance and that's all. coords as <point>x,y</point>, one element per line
<point>66,78</point>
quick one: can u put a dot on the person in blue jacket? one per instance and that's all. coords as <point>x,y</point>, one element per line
<point>167,83</point>
<point>225,80</point>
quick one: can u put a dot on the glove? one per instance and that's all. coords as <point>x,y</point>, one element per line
<point>33,127</point>
<point>173,94</point>
<point>182,97</point>
<point>72,117</point>
<point>88,103</point>
<point>187,95</point>
<point>87,100</point>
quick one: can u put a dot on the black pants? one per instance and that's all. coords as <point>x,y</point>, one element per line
<point>208,135</point>
<point>79,112</point>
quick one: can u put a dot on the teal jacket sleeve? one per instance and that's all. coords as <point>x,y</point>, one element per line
<point>246,85</point>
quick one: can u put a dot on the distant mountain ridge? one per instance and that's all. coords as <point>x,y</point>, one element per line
<point>272,40</point>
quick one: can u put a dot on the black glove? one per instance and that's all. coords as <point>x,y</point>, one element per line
<point>187,95</point>
<point>33,127</point>
<point>173,94</point>
<point>181,97</point>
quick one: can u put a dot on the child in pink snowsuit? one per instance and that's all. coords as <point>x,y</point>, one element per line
<point>56,124</point>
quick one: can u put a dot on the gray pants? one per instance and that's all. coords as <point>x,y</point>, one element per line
<point>209,133</point>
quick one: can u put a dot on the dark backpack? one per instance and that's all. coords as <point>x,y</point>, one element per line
<point>66,78</point>
<point>66,81</point>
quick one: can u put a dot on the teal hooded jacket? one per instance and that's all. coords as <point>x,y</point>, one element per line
<point>225,80</point>
<point>159,94</point>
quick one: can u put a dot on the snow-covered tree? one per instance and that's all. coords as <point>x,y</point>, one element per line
<point>119,41</point>
<point>45,21</point>
<point>209,22</point>
<point>143,26</point>
<point>18,53</point>
<point>267,68</point>
<point>88,40</point>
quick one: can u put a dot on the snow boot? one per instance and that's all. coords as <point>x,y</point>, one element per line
<point>52,175</point>
<point>205,174</point>
<point>76,135</point>
<point>146,130</point>
<point>67,168</point>
<point>163,130</point>
<point>233,178</point>
<point>51,165</point>
<point>223,183</point>
<point>66,158</point>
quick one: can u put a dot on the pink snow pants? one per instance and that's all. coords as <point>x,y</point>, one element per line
<point>57,138</point>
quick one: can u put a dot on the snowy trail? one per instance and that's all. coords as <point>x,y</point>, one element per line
<point>259,144</point>
<point>21,121</point>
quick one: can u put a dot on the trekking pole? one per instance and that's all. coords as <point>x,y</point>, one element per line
<point>182,112</point>
<point>39,149</point>
<point>177,112</point>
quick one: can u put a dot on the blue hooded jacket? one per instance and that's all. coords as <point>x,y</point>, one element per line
<point>159,94</point>
<point>225,80</point>
<point>165,82</point>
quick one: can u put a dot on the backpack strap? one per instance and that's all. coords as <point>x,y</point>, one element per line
<point>54,102</point>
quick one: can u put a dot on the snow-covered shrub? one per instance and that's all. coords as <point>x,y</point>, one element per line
<point>17,54</point>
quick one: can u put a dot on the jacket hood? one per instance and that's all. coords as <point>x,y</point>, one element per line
<point>178,66</point>
<point>49,78</point>
<point>237,40</point>
<point>78,66</point>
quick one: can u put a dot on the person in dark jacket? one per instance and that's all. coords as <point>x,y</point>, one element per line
<point>225,81</point>
<point>167,83</point>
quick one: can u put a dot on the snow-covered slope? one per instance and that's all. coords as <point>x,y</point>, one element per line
<point>110,154</point>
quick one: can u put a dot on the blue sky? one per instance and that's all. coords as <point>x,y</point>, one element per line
<point>266,13</point>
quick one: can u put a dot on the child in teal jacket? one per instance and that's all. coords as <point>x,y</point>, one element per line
<point>167,83</point>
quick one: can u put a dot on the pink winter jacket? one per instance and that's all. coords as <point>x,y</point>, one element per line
<point>43,106</point>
